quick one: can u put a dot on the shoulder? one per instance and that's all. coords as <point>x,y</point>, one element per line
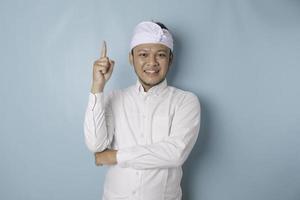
<point>184,98</point>
<point>183,94</point>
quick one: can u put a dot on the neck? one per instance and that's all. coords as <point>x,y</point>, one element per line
<point>145,87</point>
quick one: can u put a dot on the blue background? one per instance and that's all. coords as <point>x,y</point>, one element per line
<point>241,57</point>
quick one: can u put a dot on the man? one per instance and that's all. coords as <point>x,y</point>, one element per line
<point>144,132</point>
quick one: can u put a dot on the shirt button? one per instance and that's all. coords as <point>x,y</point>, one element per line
<point>137,173</point>
<point>133,192</point>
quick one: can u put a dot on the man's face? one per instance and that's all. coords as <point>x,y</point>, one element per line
<point>151,63</point>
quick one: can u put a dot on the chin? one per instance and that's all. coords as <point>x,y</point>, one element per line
<point>152,82</point>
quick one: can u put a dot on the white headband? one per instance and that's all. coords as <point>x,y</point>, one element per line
<point>150,32</point>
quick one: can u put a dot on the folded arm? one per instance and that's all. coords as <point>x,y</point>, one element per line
<point>173,150</point>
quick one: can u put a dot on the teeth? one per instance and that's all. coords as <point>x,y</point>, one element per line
<point>150,71</point>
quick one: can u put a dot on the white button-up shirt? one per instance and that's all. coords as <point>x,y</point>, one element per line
<point>153,131</point>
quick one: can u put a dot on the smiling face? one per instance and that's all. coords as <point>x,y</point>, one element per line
<point>151,63</point>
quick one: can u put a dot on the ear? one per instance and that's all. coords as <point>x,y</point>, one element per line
<point>130,56</point>
<point>170,59</point>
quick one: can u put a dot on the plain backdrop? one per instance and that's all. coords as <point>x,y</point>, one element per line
<point>241,57</point>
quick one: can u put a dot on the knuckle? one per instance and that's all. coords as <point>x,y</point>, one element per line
<point>104,59</point>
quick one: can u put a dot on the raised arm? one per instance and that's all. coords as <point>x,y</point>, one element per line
<point>98,124</point>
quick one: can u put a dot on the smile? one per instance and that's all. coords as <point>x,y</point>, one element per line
<point>151,71</point>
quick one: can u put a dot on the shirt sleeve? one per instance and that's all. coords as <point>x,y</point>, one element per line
<point>173,150</point>
<point>98,123</point>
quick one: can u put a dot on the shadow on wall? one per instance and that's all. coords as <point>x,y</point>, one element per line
<point>173,71</point>
<point>193,164</point>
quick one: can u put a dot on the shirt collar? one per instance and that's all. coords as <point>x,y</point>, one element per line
<point>157,89</point>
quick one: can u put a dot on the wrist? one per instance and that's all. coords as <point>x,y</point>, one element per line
<point>97,88</point>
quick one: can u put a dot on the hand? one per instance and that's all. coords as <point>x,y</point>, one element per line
<point>107,157</point>
<point>102,70</point>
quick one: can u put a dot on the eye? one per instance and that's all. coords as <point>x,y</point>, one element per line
<point>162,55</point>
<point>142,55</point>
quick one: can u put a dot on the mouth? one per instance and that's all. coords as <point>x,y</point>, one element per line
<point>151,71</point>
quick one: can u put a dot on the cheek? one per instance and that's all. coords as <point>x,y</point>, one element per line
<point>138,62</point>
<point>164,65</point>
<point>138,66</point>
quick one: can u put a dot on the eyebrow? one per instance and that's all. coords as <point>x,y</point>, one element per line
<point>146,49</point>
<point>142,50</point>
<point>164,50</point>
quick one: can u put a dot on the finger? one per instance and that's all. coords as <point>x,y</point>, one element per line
<point>101,67</point>
<point>102,63</point>
<point>103,59</point>
<point>112,64</point>
<point>103,70</point>
<point>96,160</point>
<point>104,50</point>
<point>98,164</point>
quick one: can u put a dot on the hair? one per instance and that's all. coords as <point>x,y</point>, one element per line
<point>161,25</point>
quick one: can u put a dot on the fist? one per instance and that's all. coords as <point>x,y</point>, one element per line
<point>106,157</point>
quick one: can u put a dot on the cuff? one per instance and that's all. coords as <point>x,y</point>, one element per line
<point>95,99</point>
<point>121,158</point>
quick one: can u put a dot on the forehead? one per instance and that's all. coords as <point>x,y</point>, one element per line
<point>151,47</point>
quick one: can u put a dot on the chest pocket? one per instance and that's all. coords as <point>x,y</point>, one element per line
<point>160,128</point>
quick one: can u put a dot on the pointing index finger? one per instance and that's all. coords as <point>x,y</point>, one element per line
<point>104,50</point>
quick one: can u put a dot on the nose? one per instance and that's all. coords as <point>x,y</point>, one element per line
<point>152,60</point>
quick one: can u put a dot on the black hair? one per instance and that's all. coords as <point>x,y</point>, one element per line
<point>161,25</point>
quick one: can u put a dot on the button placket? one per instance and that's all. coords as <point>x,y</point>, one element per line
<point>144,120</point>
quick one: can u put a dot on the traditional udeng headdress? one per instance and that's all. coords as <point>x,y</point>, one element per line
<point>150,32</point>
